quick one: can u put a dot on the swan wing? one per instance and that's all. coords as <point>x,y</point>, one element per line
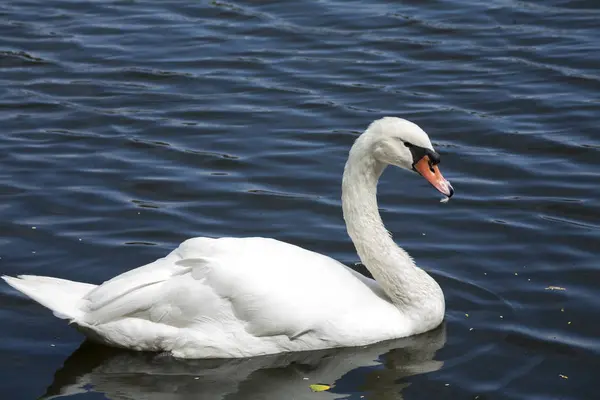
<point>260,286</point>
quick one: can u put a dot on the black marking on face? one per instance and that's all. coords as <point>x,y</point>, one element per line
<point>419,152</point>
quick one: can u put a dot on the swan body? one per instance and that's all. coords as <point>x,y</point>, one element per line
<point>242,297</point>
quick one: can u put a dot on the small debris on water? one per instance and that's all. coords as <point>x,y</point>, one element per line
<point>319,387</point>
<point>555,288</point>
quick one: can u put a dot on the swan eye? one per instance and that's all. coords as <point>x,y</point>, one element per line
<point>407,144</point>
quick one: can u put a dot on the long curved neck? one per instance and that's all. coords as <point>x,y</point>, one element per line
<point>406,285</point>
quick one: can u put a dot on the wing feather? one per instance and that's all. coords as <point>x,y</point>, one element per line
<point>255,286</point>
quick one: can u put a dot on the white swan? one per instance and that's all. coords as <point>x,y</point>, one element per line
<point>242,297</point>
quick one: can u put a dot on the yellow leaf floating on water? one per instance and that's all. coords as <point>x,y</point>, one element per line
<point>319,387</point>
<point>555,288</point>
<point>563,376</point>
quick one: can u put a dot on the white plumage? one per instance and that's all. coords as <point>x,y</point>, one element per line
<point>241,297</point>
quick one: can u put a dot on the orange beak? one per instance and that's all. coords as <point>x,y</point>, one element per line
<point>433,175</point>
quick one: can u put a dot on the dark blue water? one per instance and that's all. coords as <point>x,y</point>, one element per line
<point>128,126</point>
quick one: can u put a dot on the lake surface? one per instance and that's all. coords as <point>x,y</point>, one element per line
<point>129,126</point>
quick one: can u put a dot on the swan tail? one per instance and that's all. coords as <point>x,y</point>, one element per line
<point>61,296</point>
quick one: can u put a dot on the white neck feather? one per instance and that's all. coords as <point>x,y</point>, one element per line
<point>410,288</point>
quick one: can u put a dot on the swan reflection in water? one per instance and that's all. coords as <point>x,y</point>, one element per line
<point>376,370</point>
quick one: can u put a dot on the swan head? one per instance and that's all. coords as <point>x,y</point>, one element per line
<point>396,141</point>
